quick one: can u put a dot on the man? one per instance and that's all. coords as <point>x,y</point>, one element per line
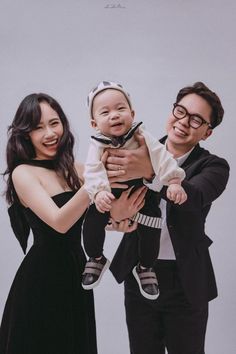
<point>177,320</point>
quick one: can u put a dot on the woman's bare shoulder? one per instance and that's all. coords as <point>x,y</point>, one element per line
<point>24,176</point>
<point>23,170</point>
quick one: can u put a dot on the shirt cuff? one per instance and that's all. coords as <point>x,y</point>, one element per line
<point>155,185</point>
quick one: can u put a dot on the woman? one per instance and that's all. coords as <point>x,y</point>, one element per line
<point>47,311</point>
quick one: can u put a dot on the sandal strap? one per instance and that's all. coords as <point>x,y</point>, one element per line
<point>94,265</point>
<point>147,278</point>
<point>147,275</point>
<point>92,271</point>
<point>148,281</point>
<point>93,268</point>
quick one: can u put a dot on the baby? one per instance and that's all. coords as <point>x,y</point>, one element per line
<point>112,116</point>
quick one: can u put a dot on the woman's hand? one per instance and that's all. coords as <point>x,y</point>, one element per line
<point>128,205</point>
<point>123,165</point>
<point>123,226</point>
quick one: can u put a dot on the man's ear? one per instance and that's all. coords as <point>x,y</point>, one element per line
<point>207,134</point>
<point>93,123</point>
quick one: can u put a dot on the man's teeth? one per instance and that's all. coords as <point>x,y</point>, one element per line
<point>180,131</point>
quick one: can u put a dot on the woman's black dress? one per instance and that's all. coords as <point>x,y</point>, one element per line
<point>47,310</point>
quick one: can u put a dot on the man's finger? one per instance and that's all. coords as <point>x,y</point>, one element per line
<point>117,152</point>
<point>116,173</point>
<point>104,157</point>
<point>114,167</point>
<point>140,139</point>
<point>115,160</point>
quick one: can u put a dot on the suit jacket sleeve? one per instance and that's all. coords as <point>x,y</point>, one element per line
<point>206,180</point>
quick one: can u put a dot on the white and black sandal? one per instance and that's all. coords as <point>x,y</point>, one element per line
<point>147,282</point>
<point>93,272</point>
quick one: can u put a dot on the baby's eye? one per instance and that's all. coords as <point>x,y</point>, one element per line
<point>104,112</point>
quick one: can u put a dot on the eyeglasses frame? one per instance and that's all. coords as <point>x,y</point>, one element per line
<point>189,116</point>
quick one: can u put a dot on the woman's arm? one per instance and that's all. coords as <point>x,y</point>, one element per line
<point>124,208</point>
<point>32,194</point>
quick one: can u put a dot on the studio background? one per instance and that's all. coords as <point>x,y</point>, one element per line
<point>153,48</point>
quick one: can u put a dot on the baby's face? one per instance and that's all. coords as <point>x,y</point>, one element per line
<point>111,113</point>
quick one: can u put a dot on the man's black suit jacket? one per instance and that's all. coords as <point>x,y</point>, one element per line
<point>206,179</point>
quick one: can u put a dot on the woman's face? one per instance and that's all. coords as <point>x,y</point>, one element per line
<point>46,136</point>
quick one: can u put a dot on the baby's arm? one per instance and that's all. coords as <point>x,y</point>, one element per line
<point>95,175</point>
<point>103,201</point>
<point>163,163</point>
<point>175,191</point>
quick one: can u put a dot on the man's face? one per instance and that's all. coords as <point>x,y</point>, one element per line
<point>182,137</point>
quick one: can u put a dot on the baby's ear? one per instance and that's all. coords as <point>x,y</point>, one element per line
<point>133,113</point>
<point>93,123</point>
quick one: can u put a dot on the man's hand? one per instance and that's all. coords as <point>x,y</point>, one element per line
<point>176,194</point>
<point>123,165</point>
<point>103,201</point>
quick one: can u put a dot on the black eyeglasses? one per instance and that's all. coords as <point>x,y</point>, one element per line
<point>194,120</point>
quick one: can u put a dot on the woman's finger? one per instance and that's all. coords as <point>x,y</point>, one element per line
<point>138,196</point>
<point>126,226</point>
<point>132,227</point>
<point>119,185</point>
<point>140,205</point>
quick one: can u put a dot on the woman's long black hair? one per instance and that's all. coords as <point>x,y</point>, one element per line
<point>19,146</point>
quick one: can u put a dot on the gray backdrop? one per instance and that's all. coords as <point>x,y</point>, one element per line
<point>64,47</point>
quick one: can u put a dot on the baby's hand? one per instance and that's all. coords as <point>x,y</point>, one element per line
<point>176,194</point>
<point>103,201</point>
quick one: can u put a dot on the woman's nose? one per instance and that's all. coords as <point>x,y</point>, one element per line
<point>49,131</point>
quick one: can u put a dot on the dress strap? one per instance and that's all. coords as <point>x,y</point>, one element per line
<point>50,164</point>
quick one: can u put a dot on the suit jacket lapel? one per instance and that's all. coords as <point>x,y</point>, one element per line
<point>194,155</point>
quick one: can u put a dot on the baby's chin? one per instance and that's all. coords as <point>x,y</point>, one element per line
<point>118,132</point>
